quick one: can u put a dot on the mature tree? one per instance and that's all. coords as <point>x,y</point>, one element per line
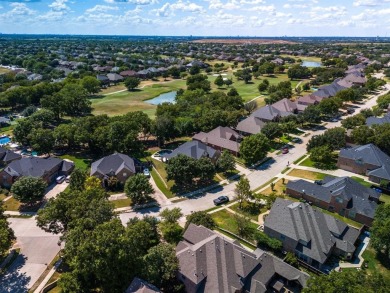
<point>244,228</point>
<point>205,169</point>
<point>263,86</point>
<point>250,107</point>
<point>28,189</point>
<point>194,70</point>
<point>68,208</point>
<point>334,138</point>
<point>171,232</point>
<point>77,179</point>
<point>254,148</point>
<point>363,135</point>
<point>383,101</point>
<point>90,84</point>
<point>93,183</point>
<point>171,216</point>
<point>330,106</point>
<point>138,189</point>
<point>380,238</point>
<point>246,75</point>
<point>42,140</point>
<point>243,190</point>
<point>164,128</point>
<point>219,81</point>
<point>272,130</point>
<point>353,121</point>
<point>198,81</point>
<point>311,114</point>
<point>298,72</point>
<point>348,95</point>
<point>162,266</point>
<point>291,259</point>
<point>228,82</point>
<point>181,169</point>
<point>73,100</point>
<point>6,233</point>
<point>132,82</point>
<point>349,281</point>
<point>322,157</point>
<point>200,218</point>
<point>226,162</point>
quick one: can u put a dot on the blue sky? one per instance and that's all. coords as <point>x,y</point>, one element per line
<point>198,17</point>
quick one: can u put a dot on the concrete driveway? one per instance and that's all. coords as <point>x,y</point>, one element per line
<point>37,250</point>
<point>54,189</point>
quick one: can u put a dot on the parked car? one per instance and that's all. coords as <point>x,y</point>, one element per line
<point>318,182</point>
<point>60,179</point>
<point>379,190</point>
<point>296,140</point>
<point>147,172</point>
<point>220,200</point>
<point>285,151</point>
<point>67,179</point>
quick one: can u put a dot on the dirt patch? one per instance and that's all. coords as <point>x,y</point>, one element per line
<point>243,41</point>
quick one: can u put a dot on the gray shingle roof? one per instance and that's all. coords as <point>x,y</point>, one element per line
<point>140,286</point>
<point>378,120</point>
<point>194,149</point>
<point>223,137</point>
<point>33,166</point>
<point>369,154</point>
<point>359,197</point>
<point>321,232</point>
<point>220,265</point>
<point>112,163</point>
<point>251,125</point>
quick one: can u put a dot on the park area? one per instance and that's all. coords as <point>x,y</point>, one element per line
<point>117,100</point>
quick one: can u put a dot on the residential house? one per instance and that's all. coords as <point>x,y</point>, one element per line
<point>114,77</point>
<point>4,121</point>
<point>103,79</point>
<point>341,195</point>
<point>286,107</point>
<point>366,160</point>
<point>356,78</point>
<point>47,169</point>
<point>308,100</point>
<point>140,286</point>
<point>119,165</point>
<point>128,73</point>
<point>211,263</point>
<point>309,233</point>
<point>370,121</point>
<point>250,125</point>
<point>194,149</point>
<point>221,138</point>
<point>7,156</point>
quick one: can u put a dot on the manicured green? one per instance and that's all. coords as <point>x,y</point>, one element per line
<point>385,198</point>
<point>249,209</point>
<point>81,163</point>
<point>225,220</point>
<point>361,181</point>
<point>299,159</point>
<point>121,203</point>
<point>341,218</point>
<point>160,184</point>
<point>376,264</point>
<point>307,163</point>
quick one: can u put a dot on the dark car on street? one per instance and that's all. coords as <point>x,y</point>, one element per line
<point>220,200</point>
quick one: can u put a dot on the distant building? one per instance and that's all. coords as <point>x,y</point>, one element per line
<point>370,121</point>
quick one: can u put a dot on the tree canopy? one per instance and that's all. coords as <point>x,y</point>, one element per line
<point>28,189</point>
<point>254,148</point>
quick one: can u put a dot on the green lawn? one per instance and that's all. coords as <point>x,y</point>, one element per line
<point>376,263</point>
<point>299,159</point>
<point>307,163</point>
<point>250,210</point>
<point>121,203</point>
<point>310,175</point>
<point>361,181</point>
<point>4,70</point>
<point>81,163</point>
<point>124,102</point>
<point>225,220</point>
<point>160,184</point>
<point>385,198</point>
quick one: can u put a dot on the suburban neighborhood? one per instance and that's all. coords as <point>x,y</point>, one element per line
<point>194,165</point>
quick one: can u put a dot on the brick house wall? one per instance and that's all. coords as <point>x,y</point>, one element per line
<point>351,166</point>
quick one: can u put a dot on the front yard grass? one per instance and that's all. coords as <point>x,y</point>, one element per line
<point>249,209</point>
<point>299,159</point>
<point>121,203</point>
<point>2,196</point>
<point>279,188</point>
<point>376,263</point>
<point>16,206</point>
<point>307,163</point>
<point>310,175</point>
<point>225,220</point>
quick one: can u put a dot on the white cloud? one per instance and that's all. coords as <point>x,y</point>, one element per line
<point>263,8</point>
<point>138,2</point>
<point>59,5</point>
<point>169,9</point>
<point>101,8</point>
<point>367,2</point>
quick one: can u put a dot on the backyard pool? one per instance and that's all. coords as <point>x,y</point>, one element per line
<point>4,140</point>
<point>163,98</point>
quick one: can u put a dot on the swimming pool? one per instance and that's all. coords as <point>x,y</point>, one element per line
<point>4,140</point>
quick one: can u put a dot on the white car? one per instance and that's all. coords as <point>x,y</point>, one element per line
<point>60,179</point>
